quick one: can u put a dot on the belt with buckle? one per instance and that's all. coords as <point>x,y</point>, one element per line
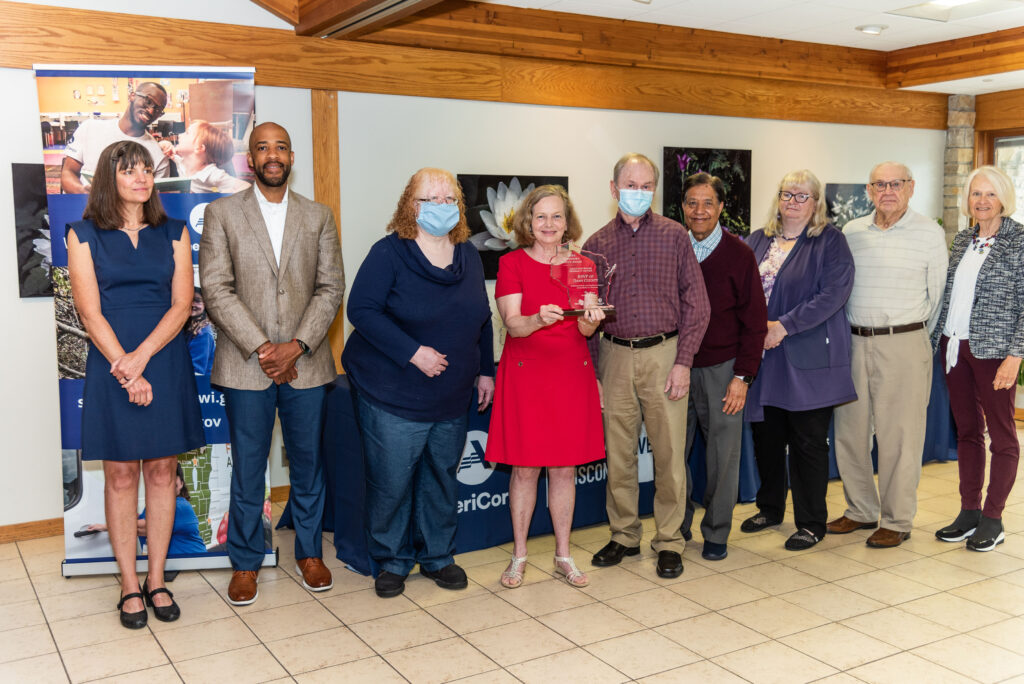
<point>641,342</point>
<point>891,330</point>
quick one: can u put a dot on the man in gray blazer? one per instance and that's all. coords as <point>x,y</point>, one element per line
<point>272,278</point>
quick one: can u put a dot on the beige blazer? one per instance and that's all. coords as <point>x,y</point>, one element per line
<point>251,299</point>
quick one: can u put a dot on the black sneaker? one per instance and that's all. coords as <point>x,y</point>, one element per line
<point>961,528</point>
<point>449,577</point>
<point>388,584</point>
<point>987,536</point>
<point>802,539</point>
<point>758,522</point>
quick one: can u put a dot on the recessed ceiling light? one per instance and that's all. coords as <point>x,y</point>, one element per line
<point>872,29</point>
<point>952,10</point>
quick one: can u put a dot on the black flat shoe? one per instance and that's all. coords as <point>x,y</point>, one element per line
<point>987,536</point>
<point>714,552</point>
<point>961,528</point>
<point>162,613</point>
<point>388,584</point>
<point>132,620</point>
<point>758,522</point>
<point>612,553</point>
<point>670,564</point>
<point>450,576</point>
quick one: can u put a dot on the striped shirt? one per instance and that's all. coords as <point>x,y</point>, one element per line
<point>658,286</point>
<point>702,249</point>
<point>900,272</point>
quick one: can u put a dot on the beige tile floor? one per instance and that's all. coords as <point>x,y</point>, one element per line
<point>841,612</point>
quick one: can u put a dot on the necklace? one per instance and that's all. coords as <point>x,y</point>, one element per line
<point>133,230</point>
<point>787,239</point>
<point>980,244</point>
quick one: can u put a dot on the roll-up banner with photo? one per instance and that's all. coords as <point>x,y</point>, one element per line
<point>199,144</point>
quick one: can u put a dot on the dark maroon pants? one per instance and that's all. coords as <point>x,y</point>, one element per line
<point>970,395</point>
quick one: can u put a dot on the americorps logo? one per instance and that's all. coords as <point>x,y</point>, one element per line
<point>195,217</point>
<point>473,470</point>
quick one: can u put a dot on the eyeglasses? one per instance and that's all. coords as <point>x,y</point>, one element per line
<point>896,185</point>
<point>436,200</point>
<point>800,197</point>
<point>150,104</point>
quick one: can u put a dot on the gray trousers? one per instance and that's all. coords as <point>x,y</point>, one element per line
<point>723,435</point>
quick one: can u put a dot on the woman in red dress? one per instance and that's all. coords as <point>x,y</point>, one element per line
<point>547,408</point>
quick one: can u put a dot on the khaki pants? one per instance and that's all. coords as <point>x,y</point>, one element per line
<point>893,378</point>
<point>633,381</point>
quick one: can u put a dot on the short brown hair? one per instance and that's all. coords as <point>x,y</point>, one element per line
<point>104,205</point>
<point>403,221</point>
<point>219,149</point>
<point>522,220</point>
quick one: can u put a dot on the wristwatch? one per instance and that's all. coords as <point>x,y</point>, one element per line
<point>303,346</point>
<point>748,380</point>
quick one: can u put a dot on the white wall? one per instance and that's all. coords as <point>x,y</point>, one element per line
<point>383,140</point>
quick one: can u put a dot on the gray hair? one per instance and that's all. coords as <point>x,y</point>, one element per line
<point>906,169</point>
<point>1000,182</point>
<point>629,159</point>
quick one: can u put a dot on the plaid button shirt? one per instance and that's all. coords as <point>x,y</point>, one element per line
<point>657,287</point>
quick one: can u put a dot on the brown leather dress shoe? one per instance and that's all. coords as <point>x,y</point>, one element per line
<point>242,591</point>
<point>315,575</point>
<point>843,525</point>
<point>886,539</point>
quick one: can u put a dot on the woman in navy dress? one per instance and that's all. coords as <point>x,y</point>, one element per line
<point>131,279</point>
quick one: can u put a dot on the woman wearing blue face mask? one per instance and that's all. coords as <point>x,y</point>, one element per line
<point>422,339</point>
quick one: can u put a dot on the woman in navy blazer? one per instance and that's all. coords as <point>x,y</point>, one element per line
<point>982,339</point>
<point>807,274</point>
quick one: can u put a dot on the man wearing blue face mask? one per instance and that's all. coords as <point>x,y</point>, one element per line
<point>643,360</point>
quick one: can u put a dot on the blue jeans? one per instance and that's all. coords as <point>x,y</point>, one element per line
<point>251,423</point>
<point>411,490</point>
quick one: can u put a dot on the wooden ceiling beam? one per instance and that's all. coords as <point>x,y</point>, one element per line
<point>990,53</point>
<point>282,9</point>
<point>351,18</point>
<point>485,28</point>
<point>36,34</point>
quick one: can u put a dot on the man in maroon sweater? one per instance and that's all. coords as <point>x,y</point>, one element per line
<point>727,360</point>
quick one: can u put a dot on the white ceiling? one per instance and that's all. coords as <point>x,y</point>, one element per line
<point>831,22</point>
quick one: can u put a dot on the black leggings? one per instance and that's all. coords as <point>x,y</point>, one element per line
<point>805,433</point>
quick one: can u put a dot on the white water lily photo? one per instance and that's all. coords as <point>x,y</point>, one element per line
<point>491,200</point>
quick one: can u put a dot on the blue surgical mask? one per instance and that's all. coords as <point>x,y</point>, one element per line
<point>635,202</point>
<point>438,219</point>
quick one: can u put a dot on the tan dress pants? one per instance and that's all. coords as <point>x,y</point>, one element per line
<point>893,378</point>
<point>633,381</point>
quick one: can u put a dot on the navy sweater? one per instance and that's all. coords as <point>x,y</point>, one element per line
<point>399,301</point>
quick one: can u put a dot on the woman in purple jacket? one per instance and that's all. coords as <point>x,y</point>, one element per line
<point>807,274</point>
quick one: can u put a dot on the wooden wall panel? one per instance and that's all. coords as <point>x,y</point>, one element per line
<point>990,53</point>
<point>579,85</point>
<point>327,187</point>
<point>996,111</point>
<point>37,34</point>
<point>500,30</point>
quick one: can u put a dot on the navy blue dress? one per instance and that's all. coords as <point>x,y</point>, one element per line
<point>135,293</point>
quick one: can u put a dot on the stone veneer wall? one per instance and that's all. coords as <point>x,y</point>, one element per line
<point>959,160</point>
